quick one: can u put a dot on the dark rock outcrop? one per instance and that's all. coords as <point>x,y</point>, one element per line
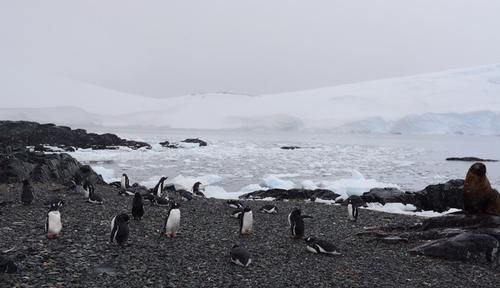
<point>168,144</point>
<point>24,133</point>
<point>470,159</point>
<point>438,197</point>
<point>457,237</point>
<point>290,147</point>
<point>195,140</point>
<point>46,168</point>
<point>292,194</point>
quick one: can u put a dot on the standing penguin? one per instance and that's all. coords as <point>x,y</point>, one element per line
<point>158,189</point>
<point>119,229</point>
<point>124,183</point>
<point>27,192</point>
<point>352,210</point>
<point>86,189</point>
<point>321,246</point>
<point>172,221</point>
<point>240,256</point>
<point>196,190</point>
<point>137,206</point>
<point>246,221</point>
<point>296,223</point>
<point>93,196</point>
<point>53,224</point>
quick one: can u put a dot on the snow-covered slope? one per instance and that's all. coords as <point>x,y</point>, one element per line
<point>432,103</point>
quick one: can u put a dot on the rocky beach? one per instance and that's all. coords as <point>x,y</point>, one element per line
<point>199,256</point>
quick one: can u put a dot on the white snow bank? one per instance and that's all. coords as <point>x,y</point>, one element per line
<point>407,209</point>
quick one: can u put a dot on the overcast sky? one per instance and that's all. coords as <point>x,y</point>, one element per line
<point>169,48</point>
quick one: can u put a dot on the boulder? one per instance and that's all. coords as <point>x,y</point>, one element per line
<point>46,168</point>
<point>292,194</point>
<point>437,197</point>
<point>195,140</point>
<point>24,133</point>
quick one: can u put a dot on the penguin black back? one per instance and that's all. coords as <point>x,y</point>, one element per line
<point>158,189</point>
<point>240,256</point>
<point>27,192</point>
<point>137,206</point>
<point>120,230</point>
<point>196,190</point>
<point>296,222</point>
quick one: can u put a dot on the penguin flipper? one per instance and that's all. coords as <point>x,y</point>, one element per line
<point>306,216</point>
<point>113,233</point>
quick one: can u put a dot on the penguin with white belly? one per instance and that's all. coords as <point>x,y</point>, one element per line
<point>158,189</point>
<point>119,229</point>
<point>240,256</point>
<point>352,210</point>
<point>246,221</point>
<point>53,223</point>
<point>172,221</point>
<point>319,246</point>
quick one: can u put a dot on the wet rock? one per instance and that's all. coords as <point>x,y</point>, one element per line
<point>24,133</point>
<point>467,246</point>
<point>438,197</point>
<point>470,159</point>
<point>44,168</point>
<point>290,147</point>
<point>195,140</point>
<point>7,265</point>
<point>292,194</point>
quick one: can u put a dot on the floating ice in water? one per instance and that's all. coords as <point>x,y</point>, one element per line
<point>275,182</point>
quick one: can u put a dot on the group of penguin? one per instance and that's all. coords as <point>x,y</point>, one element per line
<point>119,223</point>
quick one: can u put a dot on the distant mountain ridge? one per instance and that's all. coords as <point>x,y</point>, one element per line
<point>465,101</point>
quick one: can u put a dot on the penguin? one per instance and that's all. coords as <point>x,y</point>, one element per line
<point>93,196</point>
<point>352,210</point>
<point>54,200</point>
<point>197,188</point>
<point>124,183</point>
<point>236,213</point>
<point>27,193</point>
<point>85,189</point>
<point>150,197</point>
<point>234,204</point>
<point>119,229</point>
<point>160,201</point>
<point>137,206</point>
<point>296,222</point>
<point>269,209</point>
<point>158,189</point>
<point>321,246</point>
<point>184,195</point>
<point>240,256</point>
<point>246,221</point>
<point>53,224</point>
<point>172,221</point>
